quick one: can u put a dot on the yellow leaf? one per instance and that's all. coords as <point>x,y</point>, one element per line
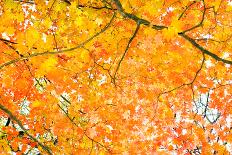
<point>101,153</point>
<point>79,21</point>
<point>46,66</point>
<point>98,21</point>
<point>216,5</point>
<point>153,6</point>
<point>176,24</point>
<point>10,4</point>
<point>47,23</point>
<point>229,7</point>
<point>85,55</point>
<point>32,36</point>
<point>37,104</point>
<point>172,30</point>
<point>20,17</point>
<point>61,6</point>
<point>10,30</point>
<point>109,128</point>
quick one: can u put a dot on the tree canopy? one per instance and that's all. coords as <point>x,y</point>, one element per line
<point>116,77</point>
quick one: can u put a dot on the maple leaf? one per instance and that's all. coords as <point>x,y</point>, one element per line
<point>47,66</point>
<point>32,36</point>
<point>37,104</point>
<point>172,30</point>
<point>119,76</point>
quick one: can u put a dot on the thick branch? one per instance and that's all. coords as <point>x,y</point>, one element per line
<point>8,41</point>
<point>182,34</point>
<point>203,50</point>
<point>14,118</point>
<point>135,18</point>
<point>96,7</point>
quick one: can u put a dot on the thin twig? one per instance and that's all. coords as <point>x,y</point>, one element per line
<point>186,84</point>
<point>200,23</point>
<point>187,7</point>
<point>60,51</point>
<point>126,50</point>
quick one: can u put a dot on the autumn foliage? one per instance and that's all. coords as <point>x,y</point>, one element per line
<point>116,77</point>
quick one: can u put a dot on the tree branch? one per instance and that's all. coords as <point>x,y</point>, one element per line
<point>8,41</point>
<point>14,118</point>
<point>187,7</point>
<point>75,124</point>
<point>186,84</point>
<point>182,34</point>
<point>201,22</point>
<point>60,51</point>
<point>203,50</point>
<point>135,18</point>
<point>126,50</point>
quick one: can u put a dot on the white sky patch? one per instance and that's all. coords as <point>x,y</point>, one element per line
<point>64,101</point>
<point>226,93</point>
<point>18,128</point>
<point>178,117</point>
<point>228,145</point>
<point>228,121</point>
<point>207,36</point>
<point>99,60</point>
<point>208,64</point>
<point>226,55</point>
<point>170,9</point>
<point>212,114</point>
<point>217,81</point>
<point>107,140</point>
<point>145,121</point>
<point>227,65</point>
<point>229,3</point>
<point>137,108</point>
<point>98,21</point>
<point>32,7</point>
<point>53,28</point>
<point>73,91</point>
<point>109,127</point>
<point>102,80</point>
<point>5,36</point>
<point>44,37</point>
<point>91,76</point>
<point>27,22</point>
<point>48,136</point>
<point>184,131</point>
<point>24,107</point>
<point>126,114</point>
<point>108,61</point>
<point>32,151</point>
<point>201,108</point>
<point>3,121</point>
<point>80,98</point>
<point>24,9</point>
